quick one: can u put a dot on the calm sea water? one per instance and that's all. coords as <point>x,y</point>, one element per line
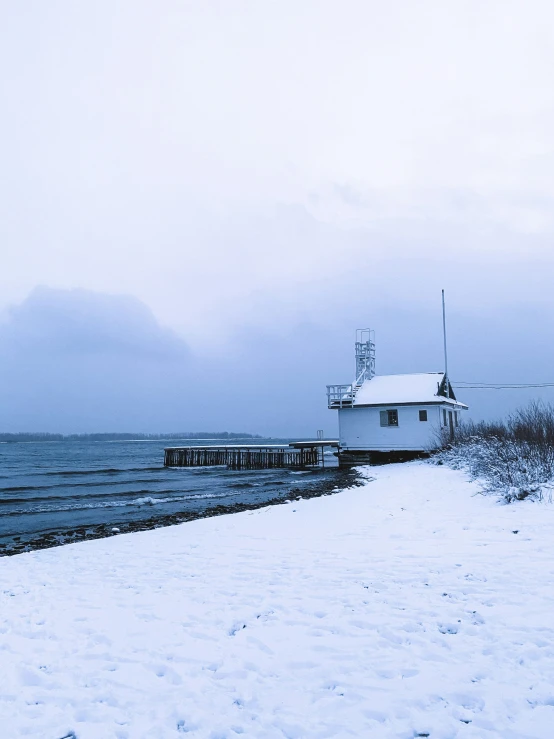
<point>63,485</point>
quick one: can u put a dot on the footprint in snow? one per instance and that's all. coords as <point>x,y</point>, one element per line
<point>236,628</point>
<point>448,628</point>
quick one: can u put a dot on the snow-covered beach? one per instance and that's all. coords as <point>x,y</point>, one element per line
<point>407,607</point>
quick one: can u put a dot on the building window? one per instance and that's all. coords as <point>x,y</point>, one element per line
<point>389,418</point>
<point>422,415</point>
<point>444,422</point>
<point>456,421</point>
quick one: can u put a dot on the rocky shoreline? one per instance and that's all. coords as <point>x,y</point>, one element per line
<point>49,539</point>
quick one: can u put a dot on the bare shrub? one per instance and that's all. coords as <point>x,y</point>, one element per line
<point>514,459</point>
<point>534,423</point>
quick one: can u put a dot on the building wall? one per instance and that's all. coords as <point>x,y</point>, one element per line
<point>360,428</point>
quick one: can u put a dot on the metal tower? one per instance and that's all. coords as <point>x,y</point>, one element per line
<point>365,355</point>
<point>343,396</point>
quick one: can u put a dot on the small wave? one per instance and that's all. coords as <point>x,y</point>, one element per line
<point>103,471</point>
<point>143,501</point>
<point>89,496</point>
<point>24,487</point>
<point>245,485</point>
<point>76,473</point>
<point>149,500</point>
<point>197,470</point>
<point>73,485</point>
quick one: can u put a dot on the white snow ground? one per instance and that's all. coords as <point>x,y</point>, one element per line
<point>400,609</point>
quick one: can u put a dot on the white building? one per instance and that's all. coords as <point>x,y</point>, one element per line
<point>391,417</point>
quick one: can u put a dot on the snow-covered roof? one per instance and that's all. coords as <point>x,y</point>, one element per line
<point>396,389</point>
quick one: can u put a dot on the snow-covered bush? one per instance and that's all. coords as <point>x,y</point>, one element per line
<point>514,460</point>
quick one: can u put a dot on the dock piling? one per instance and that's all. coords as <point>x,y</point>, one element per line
<point>297,455</point>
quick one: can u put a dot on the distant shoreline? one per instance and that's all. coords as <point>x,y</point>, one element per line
<point>127,436</point>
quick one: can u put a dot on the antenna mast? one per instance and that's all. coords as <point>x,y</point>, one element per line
<point>446,380</point>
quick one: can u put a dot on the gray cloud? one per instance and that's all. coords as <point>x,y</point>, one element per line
<point>78,360</point>
<point>81,322</point>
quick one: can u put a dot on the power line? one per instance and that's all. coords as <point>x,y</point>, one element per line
<point>501,386</point>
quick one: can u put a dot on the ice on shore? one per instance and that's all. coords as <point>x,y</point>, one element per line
<point>407,607</point>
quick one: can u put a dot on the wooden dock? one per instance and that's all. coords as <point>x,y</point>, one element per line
<point>297,455</point>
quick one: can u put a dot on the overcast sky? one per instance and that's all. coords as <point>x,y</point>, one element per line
<point>240,185</point>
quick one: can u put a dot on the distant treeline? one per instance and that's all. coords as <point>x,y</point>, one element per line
<point>126,436</point>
